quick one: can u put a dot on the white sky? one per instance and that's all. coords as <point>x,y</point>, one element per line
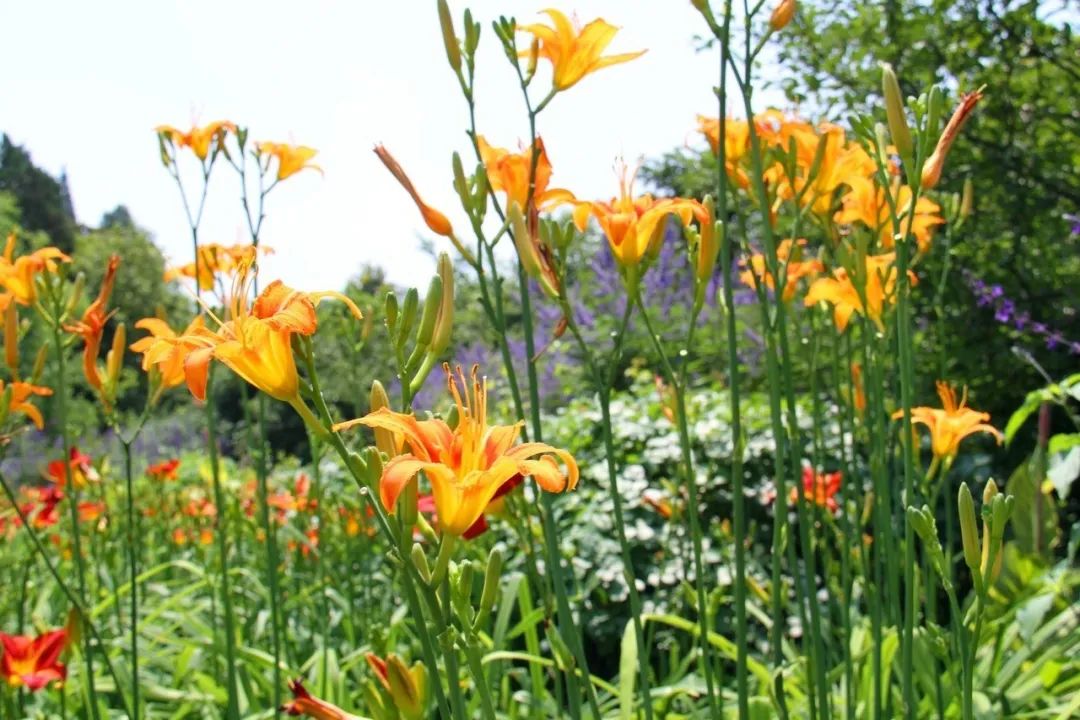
<point>87,81</point>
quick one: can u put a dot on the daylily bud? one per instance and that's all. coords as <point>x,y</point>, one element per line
<point>431,312</point>
<point>76,293</point>
<point>408,316</point>
<point>472,34</point>
<point>461,186</point>
<point>453,50</point>
<point>534,57</point>
<point>931,171</point>
<point>384,439</point>
<point>967,199</point>
<point>532,254</point>
<point>391,311</point>
<point>894,110</point>
<point>933,110</point>
<point>114,360</point>
<point>11,339</point>
<point>444,323</point>
<point>408,687</point>
<point>419,561</point>
<point>435,220</point>
<point>989,492</point>
<point>969,532</point>
<point>492,575</point>
<point>39,364</point>
<point>462,595</point>
<point>712,233</point>
<point>5,403</point>
<point>73,628</point>
<point>782,15</point>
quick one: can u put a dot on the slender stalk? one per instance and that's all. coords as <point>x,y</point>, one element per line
<point>73,494</point>
<point>272,560</point>
<point>232,710</point>
<point>133,574</point>
<point>692,504</point>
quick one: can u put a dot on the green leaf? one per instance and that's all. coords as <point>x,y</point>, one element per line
<point>1024,488</point>
<point>628,667</point>
<point>1034,399</point>
<point>1030,616</point>
<point>1063,442</point>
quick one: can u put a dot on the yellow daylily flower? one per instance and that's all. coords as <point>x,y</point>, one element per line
<point>291,158</point>
<point>633,226</point>
<point>796,269</point>
<point>21,393</point>
<point>950,424</point>
<point>575,51</point>
<point>468,464</point>
<point>509,173</point>
<point>840,291</point>
<point>17,273</point>
<point>201,140</point>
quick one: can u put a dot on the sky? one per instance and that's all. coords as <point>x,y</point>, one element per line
<point>94,79</point>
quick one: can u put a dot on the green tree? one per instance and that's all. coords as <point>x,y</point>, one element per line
<point>43,201</point>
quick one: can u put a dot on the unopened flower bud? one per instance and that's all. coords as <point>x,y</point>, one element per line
<point>444,322</point>
<point>453,50</point>
<point>712,233</point>
<point>114,360</point>
<point>492,576</point>
<point>76,292</point>
<point>11,339</point>
<point>390,309</point>
<point>384,439</point>
<point>435,220</point>
<point>532,254</point>
<point>39,364</point>
<point>969,531</point>
<point>419,561</point>
<point>782,15</point>
<point>931,172</point>
<point>432,301</point>
<point>408,687</point>
<point>534,57</point>
<point>967,199</point>
<point>894,110</point>
<point>408,316</point>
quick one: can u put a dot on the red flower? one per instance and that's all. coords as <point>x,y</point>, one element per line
<point>819,488</point>
<point>81,470</point>
<point>33,662</point>
<point>166,470</point>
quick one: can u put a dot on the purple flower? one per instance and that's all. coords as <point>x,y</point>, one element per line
<point>1020,320</point>
<point>1004,311</point>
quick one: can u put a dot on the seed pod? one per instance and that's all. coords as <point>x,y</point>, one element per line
<point>894,110</point>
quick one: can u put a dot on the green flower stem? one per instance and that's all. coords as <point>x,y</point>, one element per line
<point>270,541</point>
<point>62,390</point>
<point>693,511</point>
<point>85,621</point>
<point>133,574</point>
<point>727,250</point>
<point>222,535</point>
<point>408,572</point>
<point>603,384</point>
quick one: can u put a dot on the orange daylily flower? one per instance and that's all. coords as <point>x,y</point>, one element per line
<point>304,703</point>
<point>434,219</point>
<point>201,140</point>
<point>33,663</point>
<point>291,158</point>
<point>575,51</point>
<point>467,465</point>
<point>89,511</point>
<point>659,502</point>
<point>818,488</point>
<point>17,273</point>
<point>92,326</point>
<point>796,269</point>
<point>950,424</point>
<point>736,144</point>
<point>254,342</point>
<point>634,226</point>
<point>162,349</point>
<point>165,470</point>
<point>79,466</point>
<point>21,392</point>
<point>215,260</point>
<point>509,173</point>
<point>840,291</point>
<point>866,203</point>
